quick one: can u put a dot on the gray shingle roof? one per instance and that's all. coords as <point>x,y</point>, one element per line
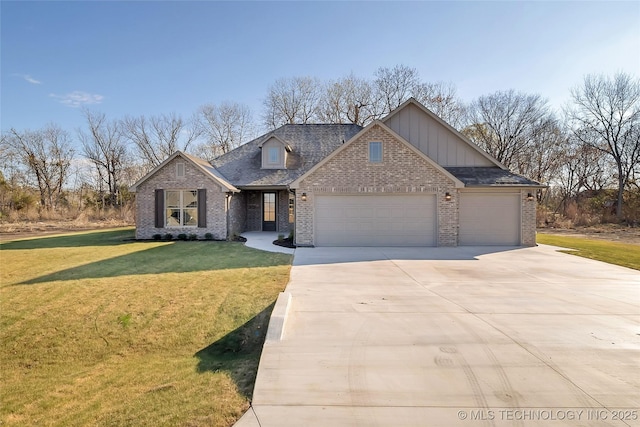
<point>489,176</point>
<point>310,144</point>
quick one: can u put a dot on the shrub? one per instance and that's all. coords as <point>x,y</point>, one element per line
<point>157,237</point>
<point>208,236</point>
<point>280,237</point>
<point>168,236</point>
<point>193,236</point>
<point>182,236</point>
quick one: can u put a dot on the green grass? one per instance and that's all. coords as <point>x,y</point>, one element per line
<point>624,254</point>
<point>97,329</point>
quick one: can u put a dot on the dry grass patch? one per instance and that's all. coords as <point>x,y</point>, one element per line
<point>100,330</point>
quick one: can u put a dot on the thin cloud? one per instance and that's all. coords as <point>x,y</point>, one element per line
<point>29,79</point>
<point>78,98</point>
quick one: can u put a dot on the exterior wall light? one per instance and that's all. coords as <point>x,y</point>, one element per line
<point>303,197</point>
<point>447,196</point>
<point>529,196</point>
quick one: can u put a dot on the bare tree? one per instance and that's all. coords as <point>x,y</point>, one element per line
<point>582,167</point>
<point>348,100</point>
<point>12,170</point>
<point>105,146</point>
<point>225,127</point>
<point>47,154</point>
<point>394,86</point>
<point>442,99</point>
<point>506,125</point>
<point>292,101</point>
<point>544,155</point>
<point>606,115</point>
<point>158,137</point>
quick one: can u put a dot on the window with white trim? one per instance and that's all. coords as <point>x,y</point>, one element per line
<point>273,155</point>
<point>375,152</point>
<point>179,170</point>
<point>181,208</point>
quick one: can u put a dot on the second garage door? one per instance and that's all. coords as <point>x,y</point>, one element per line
<point>368,220</point>
<point>489,219</point>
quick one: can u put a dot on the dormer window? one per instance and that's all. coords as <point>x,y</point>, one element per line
<point>273,156</point>
<point>274,153</point>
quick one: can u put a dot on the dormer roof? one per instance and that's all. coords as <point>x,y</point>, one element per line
<point>270,137</point>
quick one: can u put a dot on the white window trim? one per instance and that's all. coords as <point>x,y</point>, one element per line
<point>180,170</point>
<point>181,207</point>
<point>381,152</point>
<point>269,151</point>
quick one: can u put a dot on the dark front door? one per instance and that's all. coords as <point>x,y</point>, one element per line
<point>268,211</point>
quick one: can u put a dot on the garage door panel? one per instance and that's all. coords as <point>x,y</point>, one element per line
<point>375,220</point>
<point>489,219</point>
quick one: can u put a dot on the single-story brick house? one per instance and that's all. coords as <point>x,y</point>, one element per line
<point>408,179</point>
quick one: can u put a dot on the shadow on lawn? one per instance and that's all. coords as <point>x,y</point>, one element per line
<point>175,257</point>
<point>238,352</point>
<point>80,239</point>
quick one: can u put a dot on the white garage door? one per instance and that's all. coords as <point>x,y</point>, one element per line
<point>489,219</point>
<point>389,220</point>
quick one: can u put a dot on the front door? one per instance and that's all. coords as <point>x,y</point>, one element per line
<point>268,211</point>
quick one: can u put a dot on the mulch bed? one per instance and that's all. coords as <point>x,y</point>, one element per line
<point>285,243</point>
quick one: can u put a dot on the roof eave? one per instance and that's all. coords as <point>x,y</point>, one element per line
<point>505,186</point>
<point>189,158</point>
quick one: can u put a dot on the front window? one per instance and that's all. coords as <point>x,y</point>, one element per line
<point>181,208</point>
<point>375,152</point>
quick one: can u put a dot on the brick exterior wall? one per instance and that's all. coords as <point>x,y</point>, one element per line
<point>283,213</point>
<point>528,222</point>
<point>254,210</point>
<point>401,171</point>
<point>194,179</point>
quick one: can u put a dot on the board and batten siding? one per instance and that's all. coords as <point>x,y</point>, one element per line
<point>434,139</point>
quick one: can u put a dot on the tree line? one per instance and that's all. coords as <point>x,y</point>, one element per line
<point>590,147</point>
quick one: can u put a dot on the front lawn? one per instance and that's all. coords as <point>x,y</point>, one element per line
<point>97,329</point>
<point>624,254</point>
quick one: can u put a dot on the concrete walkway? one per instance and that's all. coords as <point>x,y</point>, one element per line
<point>263,240</point>
<point>451,337</point>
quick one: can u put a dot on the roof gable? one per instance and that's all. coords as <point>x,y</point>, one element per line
<point>456,181</point>
<point>198,163</point>
<point>436,138</point>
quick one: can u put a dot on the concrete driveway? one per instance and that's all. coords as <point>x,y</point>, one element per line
<point>451,337</point>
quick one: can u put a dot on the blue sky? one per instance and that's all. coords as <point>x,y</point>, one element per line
<point>146,58</point>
